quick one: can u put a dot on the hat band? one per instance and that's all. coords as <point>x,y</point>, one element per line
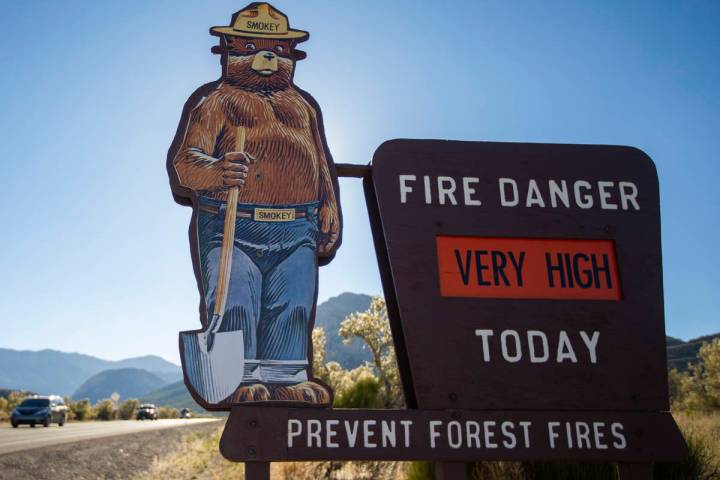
<point>259,26</point>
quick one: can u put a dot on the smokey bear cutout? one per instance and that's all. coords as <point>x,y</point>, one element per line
<point>251,158</point>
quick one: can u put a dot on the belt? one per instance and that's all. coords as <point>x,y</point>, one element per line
<point>263,214</point>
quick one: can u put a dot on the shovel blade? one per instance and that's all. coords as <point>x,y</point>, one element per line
<point>215,374</point>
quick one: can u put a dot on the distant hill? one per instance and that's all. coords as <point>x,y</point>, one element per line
<point>128,382</point>
<point>53,372</point>
<point>173,395</point>
<point>329,315</point>
<point>680,353</point>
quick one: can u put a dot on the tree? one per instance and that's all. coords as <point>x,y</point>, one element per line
<point>373,328</point>
<point>699,388</point>
<point>81,409</point>
<point>168,412</point>
<point>4,413</point>
<point>105,410</point>
<point>127,409</point>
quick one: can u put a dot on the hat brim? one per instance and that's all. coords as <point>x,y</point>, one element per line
<point>290,35</point>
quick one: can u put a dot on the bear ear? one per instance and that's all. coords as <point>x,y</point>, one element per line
<point>217,50</point>
<point>299,55</point>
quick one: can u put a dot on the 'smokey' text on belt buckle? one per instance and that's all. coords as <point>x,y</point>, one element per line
<point>274,214</point>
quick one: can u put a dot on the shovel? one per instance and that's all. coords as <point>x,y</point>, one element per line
<point>214,361</point>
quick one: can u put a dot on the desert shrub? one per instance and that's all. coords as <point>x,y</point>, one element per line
<point>4,416</point>
<point>105,410</point>
<point>80,410</point>
<point>364,394</point>
<point>127,409</point>
<point>168,412</point>
<point>373,328</point>
<point>420,471</point>
<point>3,406</point>
<point>14,399</point>
<point>698,389</point>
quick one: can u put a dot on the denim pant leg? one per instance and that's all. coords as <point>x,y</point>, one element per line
<point>288,299</point>
<point>242,307</point>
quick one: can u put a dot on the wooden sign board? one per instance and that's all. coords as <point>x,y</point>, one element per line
<point>526,276</point>
<point>524,290</point>
<point>264,434</point>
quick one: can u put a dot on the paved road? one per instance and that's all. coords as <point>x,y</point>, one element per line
<point>25,437</point>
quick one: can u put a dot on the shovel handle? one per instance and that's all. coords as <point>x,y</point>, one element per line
<point>226,250</point>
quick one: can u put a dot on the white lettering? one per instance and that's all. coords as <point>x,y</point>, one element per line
<point>503,200</point>
<point>367,433</point>
<point>446,192</point>
<point>294,430</point>
<point>404,188</point>
<point>604,196</point>
<point>591,344</point>
<point>585,201</point>
<point>468,191</point>
<point>565,350</point>
<point>433,434</point>
<point>330,433</point>
<point>533,196</point>
<point>628,197</point>
<point>484,334</point>
<point>518,349</point>
<point>559,193</point>
<point>534,358</point>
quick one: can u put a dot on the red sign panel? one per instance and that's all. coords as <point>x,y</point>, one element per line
<point>492,267</point>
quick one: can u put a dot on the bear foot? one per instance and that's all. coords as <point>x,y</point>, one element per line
<point>306,392</point>
<point>251,393</point>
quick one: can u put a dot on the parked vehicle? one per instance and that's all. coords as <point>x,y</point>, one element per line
<point>185,413</point>
<point>146,411</point>
<point>40,410</point>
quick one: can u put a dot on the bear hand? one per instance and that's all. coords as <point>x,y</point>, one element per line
<point>329,228</point>
<point>235,168</point>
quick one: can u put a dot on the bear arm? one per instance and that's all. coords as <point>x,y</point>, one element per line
<point>326,187</point>
<point>197,169</point>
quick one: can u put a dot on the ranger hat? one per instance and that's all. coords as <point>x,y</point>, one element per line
<point>261,20</point>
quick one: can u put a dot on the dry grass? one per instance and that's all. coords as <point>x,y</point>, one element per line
<point>197,457</point>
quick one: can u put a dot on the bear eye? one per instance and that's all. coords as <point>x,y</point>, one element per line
<point>279,48</point>
<point>250,46</point>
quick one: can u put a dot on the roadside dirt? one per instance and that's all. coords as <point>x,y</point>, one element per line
<point>118,457</point>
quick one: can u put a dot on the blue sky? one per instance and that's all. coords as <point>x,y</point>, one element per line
<point>93,252</point>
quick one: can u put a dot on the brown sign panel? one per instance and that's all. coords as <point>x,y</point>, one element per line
<point>261,434</point>
<point>527,276</point>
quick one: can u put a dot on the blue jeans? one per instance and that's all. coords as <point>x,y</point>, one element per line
<point>273,281</point>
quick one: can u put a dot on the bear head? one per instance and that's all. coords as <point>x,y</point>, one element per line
<point>259,64</point>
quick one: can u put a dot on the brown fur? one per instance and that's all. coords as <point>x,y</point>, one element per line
<point>282,133</point>
<point>251,393</point>
<point>307,392</point>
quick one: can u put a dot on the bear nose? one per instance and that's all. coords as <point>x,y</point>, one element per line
<point>269,55</point>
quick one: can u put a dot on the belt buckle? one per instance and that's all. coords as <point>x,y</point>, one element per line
<point>274,214</point>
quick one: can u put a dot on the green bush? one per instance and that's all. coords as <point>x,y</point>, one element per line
<point>420,471</point>
<point>81,410</point>
<point>127,409</point>
<point>168,412</point>
<point>105,410</point>
<point>364,394</point>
